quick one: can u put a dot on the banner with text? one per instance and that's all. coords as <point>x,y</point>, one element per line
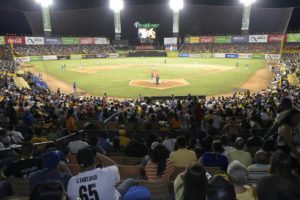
<point>53,41</point>
<point>87,40</point>
<point>101,41</point>
<point>70,40</point>
<point>231,55</point>
<point>170,41</point>
<point>293,37</point>
<point>272,56</point>
<point>219,55</point>
<point>15,40</point>
<point>22,59</point>
<point>2,40</point>
<point>207,39</point>
<point>222,39</point>
<point>258,38</point>
<point>52,57</point>
<point>245,55</point>
<point>184,55</point>
<point>239,39</point>
<point>172,54</point>
<point>276,38</point>
<point>34,40</point>
<point>194,40</point>
<point>187,40</point>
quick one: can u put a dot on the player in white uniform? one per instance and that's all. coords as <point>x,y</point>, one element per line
<point>95,183</point>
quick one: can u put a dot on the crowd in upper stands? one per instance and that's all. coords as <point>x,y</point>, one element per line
<point>245,135</point>
<point>41,50</point>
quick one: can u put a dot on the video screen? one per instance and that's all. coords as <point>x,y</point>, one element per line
<point>146,33</point>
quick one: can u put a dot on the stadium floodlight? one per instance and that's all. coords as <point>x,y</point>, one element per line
<point>176,5</point>
<point>116,5</point>
<point>247,2</point>
<point>44,3</point>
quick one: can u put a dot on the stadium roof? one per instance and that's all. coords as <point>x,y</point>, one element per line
<point>79,4</point>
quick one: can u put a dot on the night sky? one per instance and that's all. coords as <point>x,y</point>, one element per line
<point>199,17</point>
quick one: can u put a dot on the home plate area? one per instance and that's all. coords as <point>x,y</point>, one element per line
<point>163,84</point>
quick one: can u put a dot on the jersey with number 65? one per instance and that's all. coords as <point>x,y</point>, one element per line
<point>96,184</point>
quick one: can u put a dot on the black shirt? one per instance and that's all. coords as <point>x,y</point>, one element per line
<point>23,168</point>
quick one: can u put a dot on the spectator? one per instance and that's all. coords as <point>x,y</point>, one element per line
<point>53,169</point>
<point>239,154</point>
<point>238,175</point>
<point>192,184</point>
<point>220,189</point>
<point>215,158</point>
<point>16,136</point>
<point>76,145</point>
<point>102,181</point>
<point>136,147</point>
<point>71,122</point>
<point>170,141</point>
<point>26,165</point>
<point>50,190</point>
<point>182,157</point>
<point>282,184</point>
<point>159,167</point>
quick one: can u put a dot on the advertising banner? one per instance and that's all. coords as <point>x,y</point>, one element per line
<point>15,40</point>
<point>186,55</point>
<point>49,57</point>
<point>293,37</point>
<point>187,40</point>
<point>101,41</point>
<point>222,39</point>
<point>145,47</point>
<point>63,57</point>
<point>272,56</point>
<point>209,39</point>
<point>34,40</point>
<point>36,58</point>
<point>172,54</point>
<point>70,40</point>
<point>100,55</point>
<point>239,39</point>
<point>76,57</point>
<point>194,40</point>
<point>219,55</point>
<point>22,59</point>
<point>231,55</point>
<point>258,38</point>
<point>113,55</point>
<point>53,41</point>
<point>245,55</point>
<point>2,40</point>
<point>258,56</point>
<point>206,55</point>
<point>171,47</point>
<point>170,41</point>
<point>195,55</point>
<point>276,38</point>
<point>87,40</point>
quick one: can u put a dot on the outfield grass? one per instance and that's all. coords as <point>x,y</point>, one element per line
<point>207,76</point>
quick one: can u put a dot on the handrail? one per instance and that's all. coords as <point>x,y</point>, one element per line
<point>108,119</point>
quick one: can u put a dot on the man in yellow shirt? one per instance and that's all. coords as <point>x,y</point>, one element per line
<point>182,157</point>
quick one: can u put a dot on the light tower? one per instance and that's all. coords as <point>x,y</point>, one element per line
<point>117,6</point>
<point>46,16</point>
<point>246,15</point>
<point>176,6</point>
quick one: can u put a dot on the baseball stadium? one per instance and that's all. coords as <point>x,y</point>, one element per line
<point>161,99</point>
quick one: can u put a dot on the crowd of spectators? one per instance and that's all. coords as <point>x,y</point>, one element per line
<point>41,50</point>
<point>238,133</point>
<point>232,48</point>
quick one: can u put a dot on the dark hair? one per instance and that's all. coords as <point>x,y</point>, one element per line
<point>217,146</point>
<point>50,190</point>
<point>180,142</point>
<point>195,183</point>
<point>159,156</point>
<point>27,148</point>
<point>281,169</point>
<point>239,143</point>
<point>220,189</point>
<point>287,119</point>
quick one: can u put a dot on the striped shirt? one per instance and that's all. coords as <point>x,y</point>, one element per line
<point>151,169</point>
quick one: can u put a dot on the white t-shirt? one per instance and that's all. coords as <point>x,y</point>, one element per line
<point>95,184</point>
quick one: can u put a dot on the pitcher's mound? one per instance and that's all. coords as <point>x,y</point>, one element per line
<point>164,84</point>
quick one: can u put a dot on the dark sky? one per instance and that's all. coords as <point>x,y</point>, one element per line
<point>199,17</point>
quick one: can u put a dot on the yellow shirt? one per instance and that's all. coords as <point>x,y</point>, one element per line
<point>183,157</point>
<point>249,194</point>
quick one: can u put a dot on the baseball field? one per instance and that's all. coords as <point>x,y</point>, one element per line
<point>129,77</point>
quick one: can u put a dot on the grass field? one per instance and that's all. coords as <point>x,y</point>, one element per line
<point>206,76</point>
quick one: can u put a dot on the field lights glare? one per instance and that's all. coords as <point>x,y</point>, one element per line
<point>44,3</point>
<point>116,5</point>
<point>247,2</point>
<point>176,5</point>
